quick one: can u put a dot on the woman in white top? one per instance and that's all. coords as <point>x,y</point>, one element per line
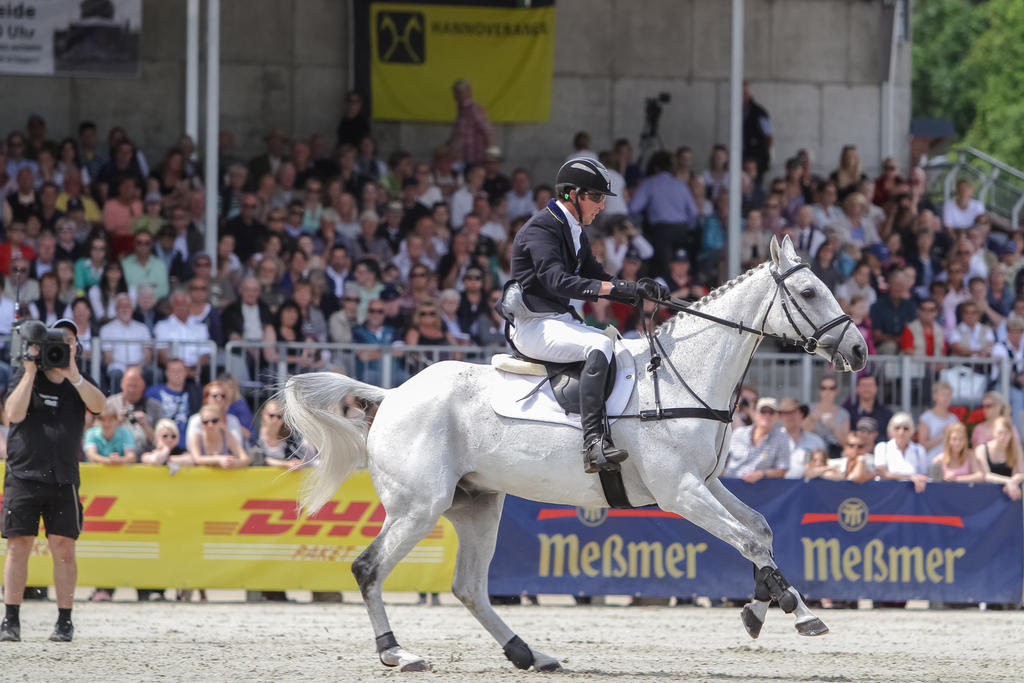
<point>960,212</point>
<point>933,422</point>
<point>716,177</point>
<point>827,211</point>
<point>899,457</point>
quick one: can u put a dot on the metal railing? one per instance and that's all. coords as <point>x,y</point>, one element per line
<point>999,186</point>
<point>904,381</point>
<point>151,369</point>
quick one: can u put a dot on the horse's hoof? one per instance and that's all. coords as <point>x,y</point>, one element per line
<point>549,668</point>
<point>416,665</point>
<point>752,623</point>
<point>405,661</point>
<point>812,627</point>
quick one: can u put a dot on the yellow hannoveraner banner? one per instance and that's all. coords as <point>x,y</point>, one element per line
<point>206,528</point>
<point>418,50</point>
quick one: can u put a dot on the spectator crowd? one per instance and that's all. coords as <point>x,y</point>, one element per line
<point>322,240</point>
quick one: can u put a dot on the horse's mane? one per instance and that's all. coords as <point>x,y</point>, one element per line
<point>716,293</point>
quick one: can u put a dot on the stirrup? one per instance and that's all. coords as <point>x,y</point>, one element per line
<point>606,458</point>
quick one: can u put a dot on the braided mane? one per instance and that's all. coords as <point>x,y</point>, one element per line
<point>714,294</point>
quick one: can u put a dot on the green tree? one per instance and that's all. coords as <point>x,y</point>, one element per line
<point>994,71</point>
<point>943,33</point>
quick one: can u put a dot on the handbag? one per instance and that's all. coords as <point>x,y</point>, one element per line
<point>968,386</point>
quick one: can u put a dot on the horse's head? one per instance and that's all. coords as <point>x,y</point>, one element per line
<point>804,308</point>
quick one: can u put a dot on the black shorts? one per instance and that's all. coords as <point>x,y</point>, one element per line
<point>25,501</point>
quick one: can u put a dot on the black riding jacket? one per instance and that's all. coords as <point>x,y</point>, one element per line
<point>545,263</point>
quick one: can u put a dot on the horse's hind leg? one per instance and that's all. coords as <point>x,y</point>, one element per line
<point>398,535</point>
<point>475,518</point>
<point>754,612</point>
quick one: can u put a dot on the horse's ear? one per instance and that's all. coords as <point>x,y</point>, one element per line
<point>773,249</point>
<point>787,252</point>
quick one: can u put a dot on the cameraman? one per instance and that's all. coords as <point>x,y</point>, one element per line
<point>47,415</point>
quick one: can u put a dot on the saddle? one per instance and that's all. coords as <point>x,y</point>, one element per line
<point>564,378</point>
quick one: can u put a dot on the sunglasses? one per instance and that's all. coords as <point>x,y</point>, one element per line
<point>211,421</point>
<point>375,310</point>
<point>424,313</point>
<point>828,387</point>
<point>596,197</point>
<point>218,395</point>
<point>767,411</point>
<point>853,444</point>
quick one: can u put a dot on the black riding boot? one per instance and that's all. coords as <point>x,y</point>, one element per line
<point>599,453</point>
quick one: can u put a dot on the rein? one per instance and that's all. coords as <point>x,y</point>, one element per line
<point>808,343</point>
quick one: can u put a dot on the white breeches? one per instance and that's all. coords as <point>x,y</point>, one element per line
<point>559,339</point>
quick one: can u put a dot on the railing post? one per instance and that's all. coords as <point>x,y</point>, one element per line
<point>806,378</point>
<point>385,366</point>
<point>96,362</point>
<point>906,384</point>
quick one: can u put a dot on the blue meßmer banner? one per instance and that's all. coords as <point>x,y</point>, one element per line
<point>880,540</point>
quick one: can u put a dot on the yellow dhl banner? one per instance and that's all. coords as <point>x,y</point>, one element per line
<point>206,528</point>
<point>418,50</point>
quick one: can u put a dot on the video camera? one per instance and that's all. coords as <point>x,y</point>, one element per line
<point>54,352</point>
<point>652,111</point>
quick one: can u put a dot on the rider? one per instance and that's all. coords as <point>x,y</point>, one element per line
<point>552,263</point>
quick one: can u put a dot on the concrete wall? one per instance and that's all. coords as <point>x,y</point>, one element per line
<point>817,66</point>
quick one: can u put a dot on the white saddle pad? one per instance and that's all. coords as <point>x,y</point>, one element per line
<point>543,407</point>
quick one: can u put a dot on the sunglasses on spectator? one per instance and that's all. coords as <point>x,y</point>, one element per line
<point>375,310</point>
<point>853,444</point>
<point>19,270</point>
<point>217,395</point>
<point>828,387</point>
<point>428,313</point>
<point>767,411</point>
<point>211,421</point>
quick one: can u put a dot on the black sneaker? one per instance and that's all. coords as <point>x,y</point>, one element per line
<point>63,632</point>
<point>10,632</point>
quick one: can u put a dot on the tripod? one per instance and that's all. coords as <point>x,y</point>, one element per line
<point>649,138</point>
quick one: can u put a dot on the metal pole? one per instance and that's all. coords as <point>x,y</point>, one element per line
<point>735,139</point>
<point>192,71</point>
<point>212,125</point>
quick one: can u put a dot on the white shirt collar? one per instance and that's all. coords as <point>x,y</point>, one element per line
<point>574,225</point>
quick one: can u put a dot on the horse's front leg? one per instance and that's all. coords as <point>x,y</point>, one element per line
<point>754,612</point>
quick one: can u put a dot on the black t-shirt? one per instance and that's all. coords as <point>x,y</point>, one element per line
<point>46,444</point>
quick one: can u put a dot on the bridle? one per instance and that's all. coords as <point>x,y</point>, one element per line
<point>808,342</point>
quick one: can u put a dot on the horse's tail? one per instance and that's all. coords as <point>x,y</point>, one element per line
<point>313,408</point>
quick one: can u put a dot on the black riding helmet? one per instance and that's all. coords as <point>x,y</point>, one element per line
<point>582,174</point>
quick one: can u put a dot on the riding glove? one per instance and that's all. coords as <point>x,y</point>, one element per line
<point>651,289</point>
<point>624,291</point>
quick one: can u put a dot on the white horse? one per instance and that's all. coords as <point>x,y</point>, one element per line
<point>435,447</point>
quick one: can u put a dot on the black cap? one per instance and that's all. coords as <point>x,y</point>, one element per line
<point>584,174</point>
<point>389,292</point>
